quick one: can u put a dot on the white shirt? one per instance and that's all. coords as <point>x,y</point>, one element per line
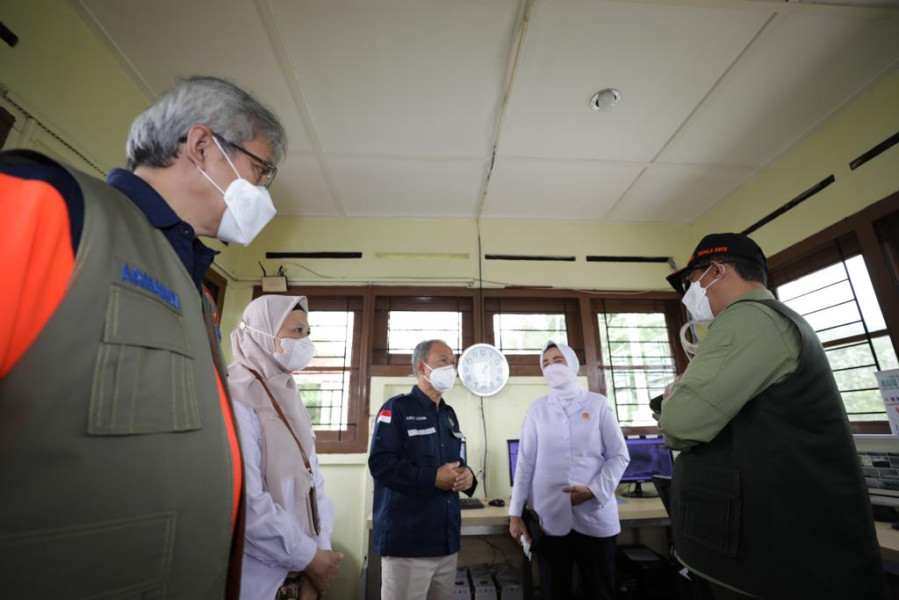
<point>580,444</point>
<point>276,542</point>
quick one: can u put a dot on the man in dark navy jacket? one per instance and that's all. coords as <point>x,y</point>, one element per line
<point>418,471</point>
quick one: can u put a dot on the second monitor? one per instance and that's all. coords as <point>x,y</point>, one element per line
<point>649,457</point>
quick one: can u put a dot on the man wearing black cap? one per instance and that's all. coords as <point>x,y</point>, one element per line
<point>767,497</point>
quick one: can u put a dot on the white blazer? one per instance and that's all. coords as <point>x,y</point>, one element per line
<point>582,445</point>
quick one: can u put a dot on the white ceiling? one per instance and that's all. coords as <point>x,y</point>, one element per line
<point>399,108</point>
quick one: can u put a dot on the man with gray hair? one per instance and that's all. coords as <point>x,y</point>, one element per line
<point>120,471</point>
<point>418,469</point>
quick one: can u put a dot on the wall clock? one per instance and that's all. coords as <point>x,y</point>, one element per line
<point>483,369</point>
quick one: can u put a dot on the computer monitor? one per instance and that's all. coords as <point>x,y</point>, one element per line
<point>649,457</point>
<point>513,459</point>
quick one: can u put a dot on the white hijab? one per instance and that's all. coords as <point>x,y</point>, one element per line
<point>572,390</point>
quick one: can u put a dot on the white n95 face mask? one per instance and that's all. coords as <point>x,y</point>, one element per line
<point>248,207</point>
<point>697,301</point>
<point>297,353</point>
<point>442,378</point>
<point>559,377</point>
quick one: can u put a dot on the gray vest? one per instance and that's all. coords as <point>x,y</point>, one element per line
<point>776,504</point>
<point>115,466</point>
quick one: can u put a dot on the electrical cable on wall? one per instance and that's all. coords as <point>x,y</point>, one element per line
<point>483,339</point>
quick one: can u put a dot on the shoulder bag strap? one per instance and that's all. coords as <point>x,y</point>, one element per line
<point>312,497</point>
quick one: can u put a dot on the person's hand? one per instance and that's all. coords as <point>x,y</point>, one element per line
<point>517,529</point>
<point>464,479</point>
<point>323,569</point>
<point>446,476</point>
<point>308,592</point>
<point>579,493</point>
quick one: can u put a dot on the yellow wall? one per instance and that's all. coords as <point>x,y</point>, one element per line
<point>65,77</point>
<point>871,119</point>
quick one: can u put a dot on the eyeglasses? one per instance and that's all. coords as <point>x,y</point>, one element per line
<point>267,169</point>
<point>685,278</point>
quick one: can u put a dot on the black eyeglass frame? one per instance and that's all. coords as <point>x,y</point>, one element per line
<point>685,276</point>
<point>270,169</point>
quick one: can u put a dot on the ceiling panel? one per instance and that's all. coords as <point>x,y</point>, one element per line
<point>664,59</point>
<point>408,188</point>
<point>580,190</point>
<point>165,39</point>
<point>677,193</point>
<point>807,66</point>
<point>401,77</point>
<point>302,190</point>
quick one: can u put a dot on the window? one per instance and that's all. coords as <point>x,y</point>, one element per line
<point>370,331</point>
<point>520,326</point>
<point>527,333</point>
<point>405,317</point>
<point>406,328</point>
<point>333,387</point>
<point>637,360</point>
<point>325,384</point>
<point>839,303</point>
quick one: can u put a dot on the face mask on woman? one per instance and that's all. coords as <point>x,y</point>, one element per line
<point>296,354</point>
<point>559,376</point>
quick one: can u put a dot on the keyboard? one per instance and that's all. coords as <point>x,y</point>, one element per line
<point>471,503</point>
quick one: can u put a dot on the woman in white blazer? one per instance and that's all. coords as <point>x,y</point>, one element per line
<point>570,459</point>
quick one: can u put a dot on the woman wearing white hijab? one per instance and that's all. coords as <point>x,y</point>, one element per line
<point>287,549</point>
<point>570,459</point>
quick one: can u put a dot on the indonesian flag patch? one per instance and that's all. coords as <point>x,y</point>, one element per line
<point>384,416</point>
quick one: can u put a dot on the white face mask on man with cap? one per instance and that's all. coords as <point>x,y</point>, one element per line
<point>696,298</point>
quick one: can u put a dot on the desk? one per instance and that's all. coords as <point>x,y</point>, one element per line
<point>494,520</point>
<point>888,538</point>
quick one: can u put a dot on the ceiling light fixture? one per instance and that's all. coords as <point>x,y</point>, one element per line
<point>605,100</point>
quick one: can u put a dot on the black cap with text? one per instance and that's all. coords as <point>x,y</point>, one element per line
<point>718,244</point>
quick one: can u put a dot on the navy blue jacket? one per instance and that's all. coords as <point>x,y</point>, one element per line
<point>411,440</point>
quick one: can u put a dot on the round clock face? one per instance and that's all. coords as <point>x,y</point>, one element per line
<point>483,370</point>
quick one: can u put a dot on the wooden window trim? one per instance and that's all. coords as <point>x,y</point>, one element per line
<point>220,284</point>
<point>355,438</point>
<point>668,304</point>
<point>857,234</point>
<point>387,364</point>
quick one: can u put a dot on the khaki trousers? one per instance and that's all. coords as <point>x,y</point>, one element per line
<point>424,578</point>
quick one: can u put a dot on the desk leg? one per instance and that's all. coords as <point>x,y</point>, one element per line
<point>373,581</point>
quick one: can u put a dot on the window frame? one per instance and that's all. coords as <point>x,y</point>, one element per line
<point>355,438</point>
<point>385,299</point>
<point>861,233</point>
<point>675,317</point>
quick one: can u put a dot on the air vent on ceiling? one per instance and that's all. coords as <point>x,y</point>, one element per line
<point>530,257</point>
<point>791,204</point>
<point>875,151</point>
<point>339,255</point>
